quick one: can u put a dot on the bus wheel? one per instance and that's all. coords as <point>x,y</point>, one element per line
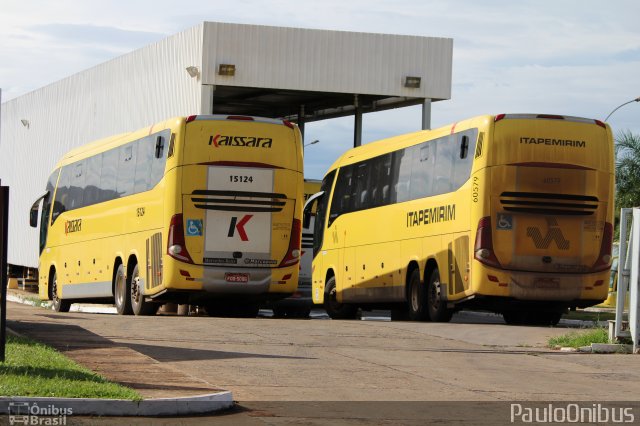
<point>335,309</point>
<point>59,305</point>
<point>514,317</point>
<point>121,292</point>
<point>438,311</point>
<point>549,318</point>
<point>139,306</point>
<point>417,298</point>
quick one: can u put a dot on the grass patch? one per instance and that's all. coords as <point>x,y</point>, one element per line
<point>576,339</point>
<point>33,369</point>
<point>38,302</point>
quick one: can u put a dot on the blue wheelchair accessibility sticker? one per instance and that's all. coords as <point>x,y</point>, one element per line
<point>505,222</point>
<point>194,227</point>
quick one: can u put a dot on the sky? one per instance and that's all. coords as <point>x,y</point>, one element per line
<point>569,57</point>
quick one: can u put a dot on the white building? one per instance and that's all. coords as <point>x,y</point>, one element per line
<point>303,75</point>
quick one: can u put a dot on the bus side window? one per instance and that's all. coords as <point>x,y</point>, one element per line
<point>402,164</point>
<point>108,173</point>
<point>126,170</point>
<point>158,163</point>
<point>145,153</point>
<point>462,166</point>
<point>76,187</point>
<point>62,193</point>
<point>92,180</point>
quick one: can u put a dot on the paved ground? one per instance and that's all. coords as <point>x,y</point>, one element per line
<point>289,371</point>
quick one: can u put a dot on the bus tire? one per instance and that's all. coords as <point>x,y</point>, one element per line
<point>438,311</point>
<point>139,306</point>
<point>59,305</point>
<point>335,309</point>
<point>121,292</point>
<point>418,305</point>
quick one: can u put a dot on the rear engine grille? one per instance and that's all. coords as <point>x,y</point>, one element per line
<point>238,201</point>
<point>549,204</point>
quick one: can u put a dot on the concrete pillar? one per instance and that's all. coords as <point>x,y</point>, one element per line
<point>426,114</point>
<point>206,99</point>
<point>357,126</point>
<point>301,120</point>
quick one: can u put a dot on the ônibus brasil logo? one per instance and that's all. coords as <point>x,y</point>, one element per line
<point>248,141</point>
<point>239,226</point>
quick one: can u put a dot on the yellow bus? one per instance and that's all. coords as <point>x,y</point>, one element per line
<point>510,213</point>
<point>204,210</point>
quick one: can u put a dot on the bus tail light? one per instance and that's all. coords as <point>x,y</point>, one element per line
<point>293,252</point>
<point>483,249</point>
<point>176,246</point>
<point>604,258</point>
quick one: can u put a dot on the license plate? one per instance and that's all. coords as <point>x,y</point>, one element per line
<point>236,277</point>
<point>546,283</point>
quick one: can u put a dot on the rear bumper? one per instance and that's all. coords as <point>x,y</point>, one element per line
<point>540,286</point>
<point>502,304</point>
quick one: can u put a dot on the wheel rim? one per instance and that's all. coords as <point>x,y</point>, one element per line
<point>333,298</point>
<point>435,293</point>
<point>120,289</point>
<point>54,291</point>
<point>135,287</point>
<point>415,297</point>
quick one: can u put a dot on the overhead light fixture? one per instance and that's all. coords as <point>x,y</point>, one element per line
<point>25,123</point>
<point>227,69</point>
<point>412,82</point>
<point>193,71</point>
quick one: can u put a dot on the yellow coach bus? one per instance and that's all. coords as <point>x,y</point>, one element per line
<point>511,213</point>
<point>204,210</point>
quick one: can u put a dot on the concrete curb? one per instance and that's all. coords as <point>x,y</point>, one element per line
<point>199,404</point>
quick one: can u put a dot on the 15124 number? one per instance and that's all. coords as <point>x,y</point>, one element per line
<point>241,179</point>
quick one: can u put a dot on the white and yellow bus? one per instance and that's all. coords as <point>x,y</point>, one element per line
<point>511,213</point>
<point>204,210</point>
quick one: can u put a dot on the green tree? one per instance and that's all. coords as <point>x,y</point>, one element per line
<point>627,170</point>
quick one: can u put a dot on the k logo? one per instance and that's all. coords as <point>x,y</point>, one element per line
<point>239,226</point>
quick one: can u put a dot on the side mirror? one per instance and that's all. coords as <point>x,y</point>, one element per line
<point>307,210</point>
<point>33,217</point>
<point>35,209</point>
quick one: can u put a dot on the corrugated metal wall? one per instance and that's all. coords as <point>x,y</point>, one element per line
<point>327,61</point>
<point>124,94</point>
